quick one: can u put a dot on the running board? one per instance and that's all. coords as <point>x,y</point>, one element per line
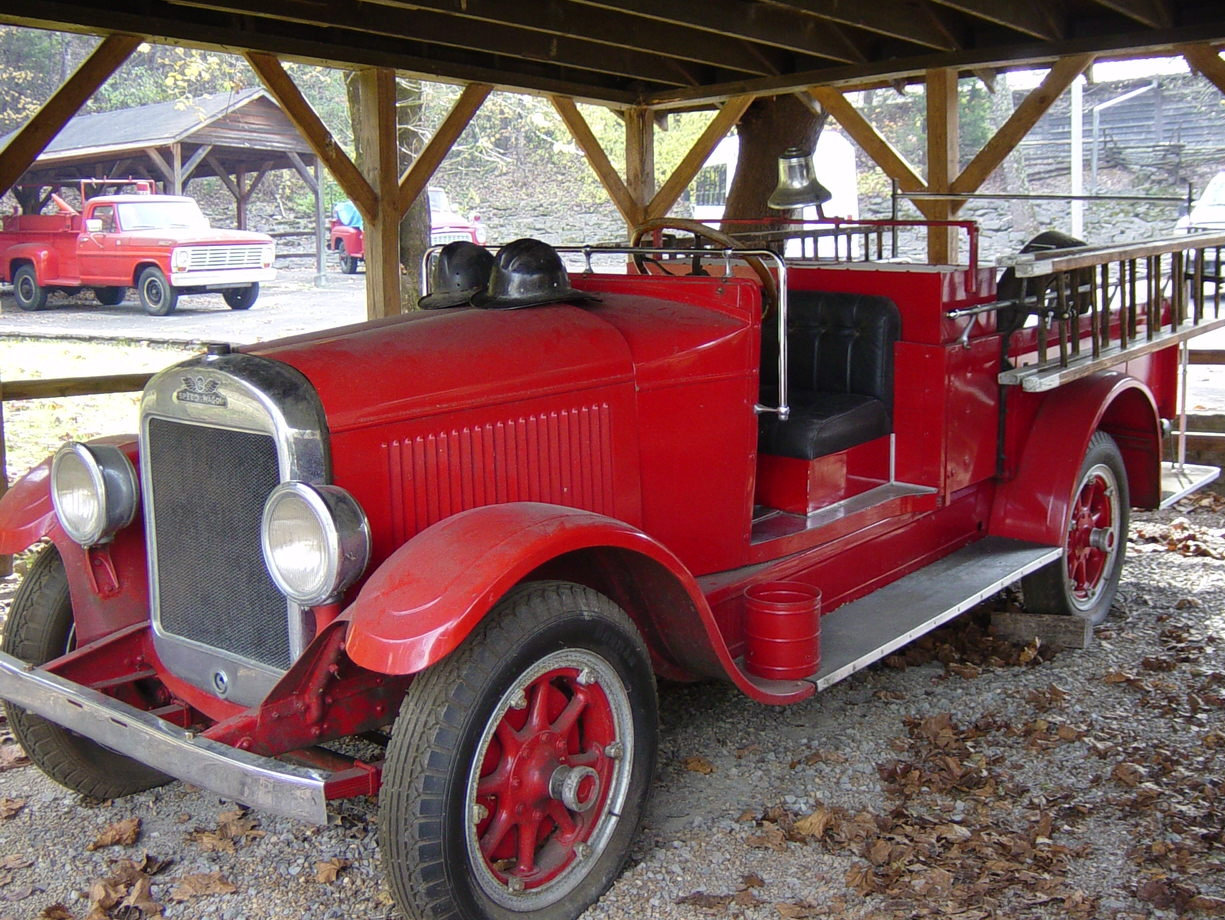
<point>1180,481</point>
<point>863,631</point>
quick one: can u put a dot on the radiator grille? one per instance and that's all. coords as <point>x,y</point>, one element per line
<point>442,237</point>
<point>211,258</point>
<point>562,457</point>
<point>208,492</point>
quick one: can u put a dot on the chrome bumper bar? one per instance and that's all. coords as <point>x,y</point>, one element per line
<point>260,782</point>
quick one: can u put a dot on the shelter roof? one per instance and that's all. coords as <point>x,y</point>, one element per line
<point>657,52</point>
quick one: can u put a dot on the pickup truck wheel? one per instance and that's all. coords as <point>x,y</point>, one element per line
<point>156,295</point>
<point>110,296</point>
<point>241,298</point>
<point>29,294</point>
<point>348,264</point>
<point>1084,582</point>
<point>519,765</point>
<point>39,628</point>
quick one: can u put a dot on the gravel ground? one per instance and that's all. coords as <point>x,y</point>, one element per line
<point>963,778</point>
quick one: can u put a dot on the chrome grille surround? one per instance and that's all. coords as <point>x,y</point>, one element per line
<point>246,402</point>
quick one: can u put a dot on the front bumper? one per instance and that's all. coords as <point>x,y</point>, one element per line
<point>260,782</point>
<point>222,278</point>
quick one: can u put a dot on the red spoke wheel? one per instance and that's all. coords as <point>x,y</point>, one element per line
<point>519,765</point>
<point>1084,582</point>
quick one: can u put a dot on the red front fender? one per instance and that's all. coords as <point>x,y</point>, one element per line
<point>26,513</point>
<point>433,591</point>
<point>425,599</point>
<point>1034,505</point>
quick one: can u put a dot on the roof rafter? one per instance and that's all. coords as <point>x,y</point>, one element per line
<point>894,18</point>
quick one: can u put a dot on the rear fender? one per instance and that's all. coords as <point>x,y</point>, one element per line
<point>1034,505</point>
<point>46,263</point>
<point>433,591</point>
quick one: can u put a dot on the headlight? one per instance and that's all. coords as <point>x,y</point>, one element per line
<point>93,488</point>
<point>316,541</point>
<point>179,259</point>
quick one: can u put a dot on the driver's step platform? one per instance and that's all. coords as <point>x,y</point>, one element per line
<point>1180,480</point>
<point>863,631</point>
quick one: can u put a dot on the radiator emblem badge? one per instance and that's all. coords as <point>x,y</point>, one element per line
<point>201,390</point>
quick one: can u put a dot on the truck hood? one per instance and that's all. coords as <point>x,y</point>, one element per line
<point>435,362</point>
<point>181,237</point>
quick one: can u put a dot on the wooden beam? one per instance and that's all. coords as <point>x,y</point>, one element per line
<point>1020,122</point>
<point>303,171</point>
<point>640,155</point>
<point>26,146</point>
<point>703,147</point>
<point>377,92</point>
<point>883,17</point>
<point>1207,61</point>
<point>943,135</point>
<point>299,111</point>
<point>631,210</point>
<point>195,159</point>
<point>224,175</point>
<point>420,171</point>
<point>162,166</point>
<point>883,154</point>
<point>1027,18</point>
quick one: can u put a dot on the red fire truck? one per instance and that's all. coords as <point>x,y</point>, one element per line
<point>476,534</point>
<point>161,245</point>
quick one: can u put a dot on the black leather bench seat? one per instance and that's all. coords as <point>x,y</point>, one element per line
<point>840,374</point>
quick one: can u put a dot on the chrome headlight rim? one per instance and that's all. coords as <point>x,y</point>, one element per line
<point>343,538</point>
<point>115,492</point>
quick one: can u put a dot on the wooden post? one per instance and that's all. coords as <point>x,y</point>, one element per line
<point>321,274</point>
<point>598,160</point>
<point>240,200</point>
<point>6,562</point>
<point>640,155</point>
<point>176,165</point>
<point>382,224</point>
<point>942,160</point>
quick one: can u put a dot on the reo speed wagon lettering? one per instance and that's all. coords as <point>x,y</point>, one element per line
<point>476,533</point>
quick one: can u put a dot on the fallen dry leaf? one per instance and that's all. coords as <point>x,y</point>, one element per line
<point>120,834</point>
<point>815,824</point>
<point>15,861</point>
<point>12,756</point>
<point>200,885</point>
<point>771,837</point>
<point>705,901</point>
<point>328,872</point>
<point>698,765</point>
<point>56,912</point>
<point>10,807</point>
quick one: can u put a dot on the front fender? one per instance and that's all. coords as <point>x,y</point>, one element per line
<point>424,600</point>
<point>1035,504</point>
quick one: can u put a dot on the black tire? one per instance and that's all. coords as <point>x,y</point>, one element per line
<point>241,298</point>
<point>110,296</point>
<point>29,294</point>
<point>1084,582</point>
<point>490,713</point>
<point>39,628</point>
<point>1009,287</point>
<point>348,263</point>
<point>156,295</point>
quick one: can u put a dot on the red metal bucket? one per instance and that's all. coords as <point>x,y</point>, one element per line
<point>782,630</point>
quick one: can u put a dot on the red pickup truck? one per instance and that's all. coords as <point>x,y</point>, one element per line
<point>472,537</point>
<point>162,245</point>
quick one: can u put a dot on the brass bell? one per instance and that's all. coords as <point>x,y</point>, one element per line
<point>797,182</point>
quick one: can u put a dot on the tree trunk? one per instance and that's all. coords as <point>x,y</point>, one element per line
<point>415,225</point>
<point>769,127</point>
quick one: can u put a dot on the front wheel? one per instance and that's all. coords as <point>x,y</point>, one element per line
<point>1084,581</point>
<point>156,295</point>
<point>241,298</point>
<point>519,766</point>
<point>39,628</point>
<point>29,294</point>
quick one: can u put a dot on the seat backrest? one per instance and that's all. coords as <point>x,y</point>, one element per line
<point>837,343</point>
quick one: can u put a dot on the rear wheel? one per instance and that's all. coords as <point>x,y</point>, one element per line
<point>1085,580</point>
<point>156,295</point>
<point>109,296</point>
<point>40,628</point>
<point>348,264</point>
<point>520,764</point>
<point>241,298</point>
<point>29,294</point>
